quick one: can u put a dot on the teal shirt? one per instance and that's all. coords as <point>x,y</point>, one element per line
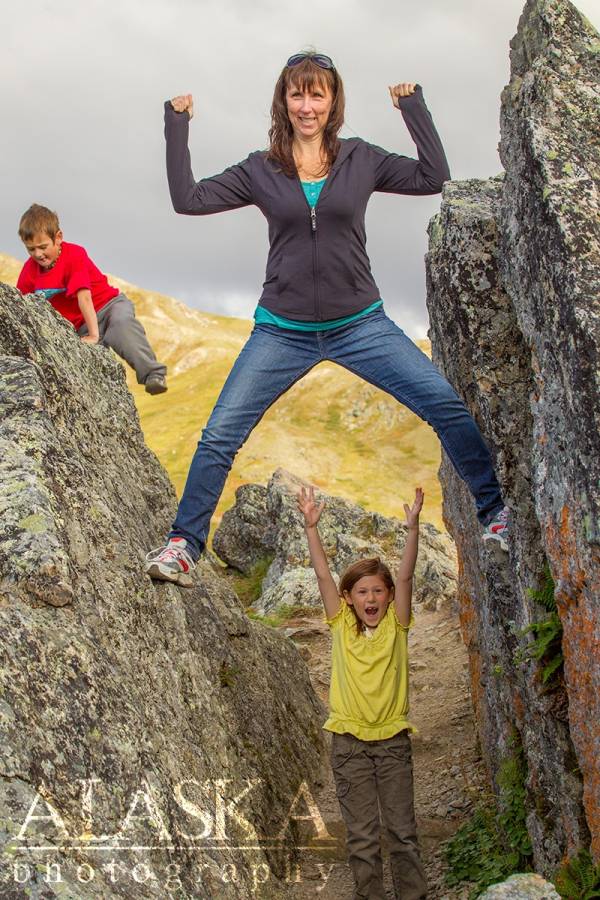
<point>263,316</point>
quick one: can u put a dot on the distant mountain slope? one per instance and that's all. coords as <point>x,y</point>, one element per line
<point>330,428</point>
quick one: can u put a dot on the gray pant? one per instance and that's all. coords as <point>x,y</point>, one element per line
<point>371,776</point>
<point>120,330</point>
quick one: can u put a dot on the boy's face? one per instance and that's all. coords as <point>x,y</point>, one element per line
<point>43,249</point>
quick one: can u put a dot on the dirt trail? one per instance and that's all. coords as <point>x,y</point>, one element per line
<point>447,766</point>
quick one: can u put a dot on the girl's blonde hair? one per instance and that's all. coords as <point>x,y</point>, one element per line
<point>372,566</point>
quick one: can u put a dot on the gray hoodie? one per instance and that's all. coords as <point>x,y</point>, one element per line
<point>318,267</point>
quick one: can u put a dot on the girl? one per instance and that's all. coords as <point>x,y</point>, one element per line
<point>369,617</point>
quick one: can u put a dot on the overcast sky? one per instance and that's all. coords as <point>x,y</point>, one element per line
<point>83,86</point>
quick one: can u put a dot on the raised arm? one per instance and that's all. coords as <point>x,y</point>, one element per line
<point>400,174</point>
<point>327,586</point>
<point>406,569</point>
<point>230,190</point>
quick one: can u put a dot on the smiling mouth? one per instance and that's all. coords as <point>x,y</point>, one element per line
<point>371,610</point>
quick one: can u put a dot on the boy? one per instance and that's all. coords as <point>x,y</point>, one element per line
<point>76,288</point>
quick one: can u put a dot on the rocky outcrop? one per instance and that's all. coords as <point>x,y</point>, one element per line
<point>513,278</point>
<point>131,714</point>
<point>265,526</point>
<point>521,887</point>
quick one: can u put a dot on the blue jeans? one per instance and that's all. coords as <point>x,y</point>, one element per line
<point>273,359</point>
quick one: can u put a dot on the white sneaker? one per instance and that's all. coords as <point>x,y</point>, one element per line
<point>173,562</point>
<point>497,528</point>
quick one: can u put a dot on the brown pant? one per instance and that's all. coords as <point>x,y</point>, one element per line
<point>371,776</point>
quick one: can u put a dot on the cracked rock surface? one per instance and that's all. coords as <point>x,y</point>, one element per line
<point>132,714</point>
<point>514,300</point>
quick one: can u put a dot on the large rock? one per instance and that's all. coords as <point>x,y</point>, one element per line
<point>128,709</point>
<point>265,524</point>
<point>513,274</point>
<point>550,264</point>
<point>521,887</point>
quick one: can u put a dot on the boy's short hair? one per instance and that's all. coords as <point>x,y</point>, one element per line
<point>36,220</point>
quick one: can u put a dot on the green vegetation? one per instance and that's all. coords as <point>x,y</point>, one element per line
<point>512,815</point>
<point>579,878</point>
<point>494,843</point>
<point>249,587</point>
<point>282,614</point>
<point>546,648</point>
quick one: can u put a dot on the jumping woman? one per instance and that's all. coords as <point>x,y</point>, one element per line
<point>319,300</point>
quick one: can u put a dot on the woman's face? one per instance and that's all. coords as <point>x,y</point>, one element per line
<point>308,110</point>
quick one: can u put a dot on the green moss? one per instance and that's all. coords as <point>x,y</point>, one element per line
<point>34,524</point>
<point>14,487</point>
<point>282,614</point>
<point>249,587</point>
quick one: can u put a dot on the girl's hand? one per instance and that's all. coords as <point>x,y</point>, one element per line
<point>401,90</point>
<point>90,338</point>
<point>182,103</point>
<point>412,512</point>
<point>310,509</point>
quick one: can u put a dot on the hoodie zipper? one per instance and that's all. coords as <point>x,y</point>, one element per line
<point>315,246</point>
<point>315,249</point>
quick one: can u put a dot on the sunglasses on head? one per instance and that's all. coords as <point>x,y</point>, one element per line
<point>319,59</point>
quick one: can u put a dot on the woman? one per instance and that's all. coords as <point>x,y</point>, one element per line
<point>319,298</point>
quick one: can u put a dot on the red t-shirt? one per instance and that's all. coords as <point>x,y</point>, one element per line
<point>72,272</point>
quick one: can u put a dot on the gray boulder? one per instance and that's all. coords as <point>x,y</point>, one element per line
<point>514,301</point>
<point>132,714</point>
<point>521,887</point>
<point>348,532</point>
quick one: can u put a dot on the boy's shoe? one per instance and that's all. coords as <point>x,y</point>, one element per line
<point>173,562</point>
<point>497,528</point>
<point>155,384</point>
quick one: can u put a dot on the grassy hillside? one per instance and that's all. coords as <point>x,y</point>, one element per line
<point>331,427</point>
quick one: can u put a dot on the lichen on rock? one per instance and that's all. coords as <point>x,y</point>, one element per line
<point>513,295</point>
<point>135,710</point>
<point>348,532</point>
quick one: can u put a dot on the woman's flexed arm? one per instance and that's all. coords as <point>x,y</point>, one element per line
<point>401,174</point>
<point>230,190</point>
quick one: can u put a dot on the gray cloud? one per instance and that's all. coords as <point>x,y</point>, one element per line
<point>83,124</point>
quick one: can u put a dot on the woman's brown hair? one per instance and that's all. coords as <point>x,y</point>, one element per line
<point>305,76</point>
<point>358,570</point>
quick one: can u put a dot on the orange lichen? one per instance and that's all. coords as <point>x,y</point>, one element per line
<point>576,568</point>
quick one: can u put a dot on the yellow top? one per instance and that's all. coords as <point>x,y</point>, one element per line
<point>368,696</point>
